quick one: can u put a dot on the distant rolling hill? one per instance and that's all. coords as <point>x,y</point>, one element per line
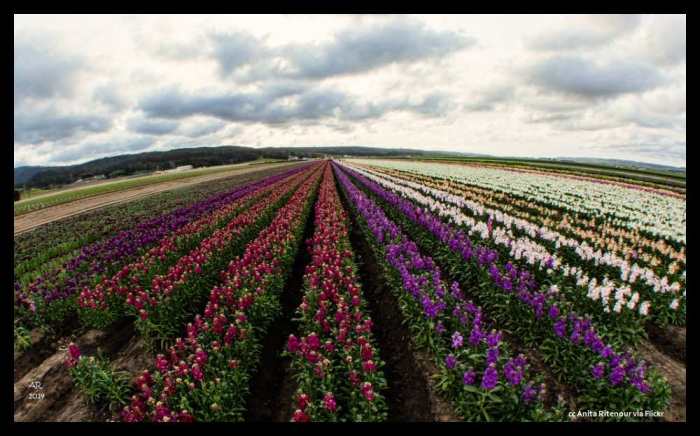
<point>127,164</point>
<point>23,174</point>
<point>201,156</point>
<point>623,164</point>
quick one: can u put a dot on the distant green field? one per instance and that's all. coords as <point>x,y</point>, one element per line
<point>656,178</point>
<point>68,195</point>
<point>33,192</point>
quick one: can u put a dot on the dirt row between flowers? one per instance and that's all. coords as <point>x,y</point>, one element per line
<point>31,220</point>
<point>670,340</point>
<point>272,387</point>
<point>674,372</point>
<point>666,351</point>
<point>411,393</point>
<point>47,392</point>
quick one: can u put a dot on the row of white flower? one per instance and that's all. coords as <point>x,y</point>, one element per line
<point>625,243</point>
<point>629,273</point>
<point>663,216</point>
<point>520,247</point>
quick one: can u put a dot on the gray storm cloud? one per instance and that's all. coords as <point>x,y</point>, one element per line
<point>48,125</point>
<point>351,51</point>
<point>41,71</point>
<point>234,50</point>
<point>102,148</point>
<point>108,95</point>
<point>359,50</point>
<point>580,77</point>
<point>202,128</point>
<point>487,98</point>
<point>269,107</point>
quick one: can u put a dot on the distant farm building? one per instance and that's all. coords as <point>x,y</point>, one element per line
<point>89,178</point>
<point>176,170</point>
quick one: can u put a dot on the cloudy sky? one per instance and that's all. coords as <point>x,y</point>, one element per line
<point>597,86</point>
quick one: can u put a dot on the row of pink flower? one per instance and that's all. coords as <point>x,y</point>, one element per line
<point>203,369</point>
<point>335,352</point>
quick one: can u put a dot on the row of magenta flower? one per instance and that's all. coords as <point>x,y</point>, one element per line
<point>103,258</point>
<point>575,344</point>
<point>205,376</point>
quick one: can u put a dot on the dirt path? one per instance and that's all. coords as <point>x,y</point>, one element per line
<point>272,388</point>
<point>674,372</point>
<point>48,391</point>
<point>670,340</point>
<point>31,220</point>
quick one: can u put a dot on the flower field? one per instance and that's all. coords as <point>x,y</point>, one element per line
<point>360,290</point>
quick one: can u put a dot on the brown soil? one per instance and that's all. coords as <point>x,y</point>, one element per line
<point>674,372</point>
<point>40,349</point>
<point>43,345</point>
<point>669,340</point>
<point>31,220</point>
<point>58,397</point>
<point>411,394</point>
<point>272,387</point>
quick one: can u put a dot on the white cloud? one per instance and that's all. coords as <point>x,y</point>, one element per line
<point>478,83</point>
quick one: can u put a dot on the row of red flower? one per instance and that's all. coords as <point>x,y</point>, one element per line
<point>160,300</point>
<point>335,361</point>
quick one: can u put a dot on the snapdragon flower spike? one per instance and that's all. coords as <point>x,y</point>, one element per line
<point>457,340</point>
<point>528,289</point>
<point>529,393</point>
<point>73,355</point>
<point>300,416</point>
<point>368,391</point>
<point>450,361</point>
<point>490,377</point>
<point>598,370</point>
<point>514,369</point>
<point>192,358</point>
<point>335,341</point>
<point>469,377</point>
<point>303,400</point>
<point>329,402</point>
